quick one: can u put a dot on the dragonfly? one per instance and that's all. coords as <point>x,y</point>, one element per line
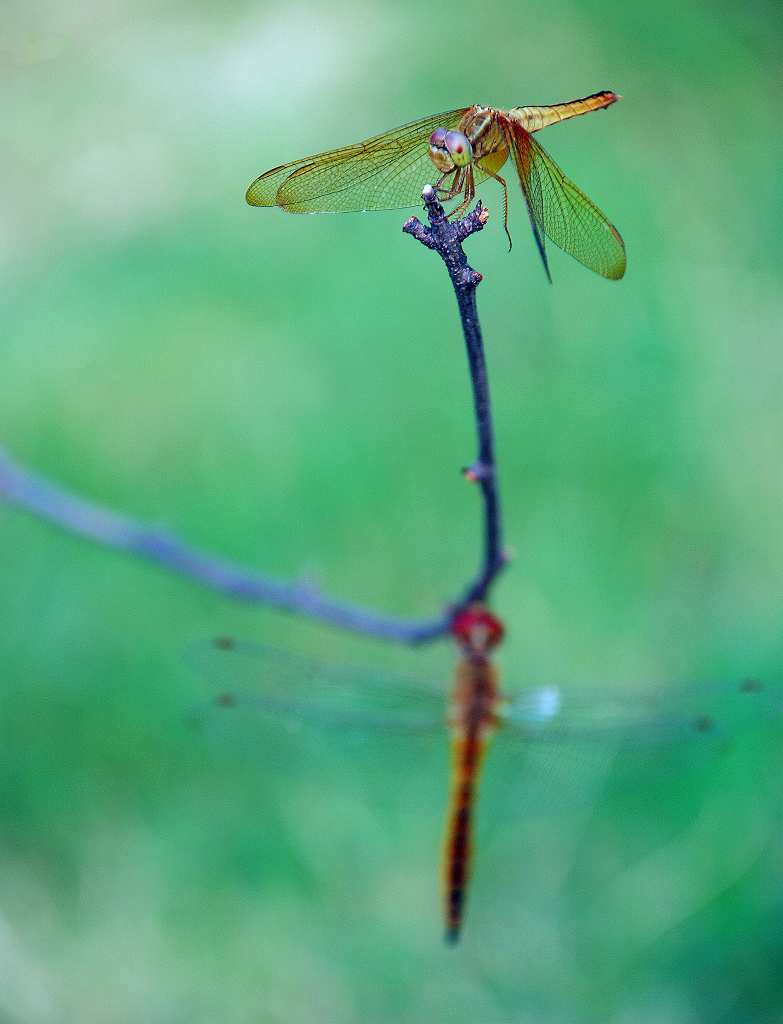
<point>465,147</point>
<point>289,685</point>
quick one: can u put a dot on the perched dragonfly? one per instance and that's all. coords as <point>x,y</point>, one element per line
<point>466,147</point>
<point>290,685</point>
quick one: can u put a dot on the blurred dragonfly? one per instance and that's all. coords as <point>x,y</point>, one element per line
<point>292,686</point>
<point>466,146</point>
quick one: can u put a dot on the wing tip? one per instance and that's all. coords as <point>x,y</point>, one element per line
<point>252,198</point>
<point>616,273</point>
<point>224,643</point>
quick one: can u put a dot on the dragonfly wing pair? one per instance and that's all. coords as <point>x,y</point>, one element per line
<point>255,677</point>
<point>293,686</point>
<point>389,171</point>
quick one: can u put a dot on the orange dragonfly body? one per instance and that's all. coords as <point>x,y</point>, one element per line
<point>466,147</point>
<point>292,686</point>
<point>475,713</point>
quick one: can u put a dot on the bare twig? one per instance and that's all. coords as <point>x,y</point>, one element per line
<point>446,239</point>
<point>88,519</point>
<point>33,492</point>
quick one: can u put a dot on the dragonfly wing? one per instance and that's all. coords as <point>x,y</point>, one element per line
<point>257,677</point>
<point>387,172</point>
<point>557,750</point>
<point>664,716</point>
<point>562,211</point>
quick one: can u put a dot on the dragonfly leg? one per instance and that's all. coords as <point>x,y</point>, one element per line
<point>446,194</point>
<point>470,192</point>
<point>504,186</point>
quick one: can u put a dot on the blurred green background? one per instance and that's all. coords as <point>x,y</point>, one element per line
<point>291,393</point>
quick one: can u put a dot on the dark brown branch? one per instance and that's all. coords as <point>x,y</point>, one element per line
<point>446,238</point>
<point>22,487</point>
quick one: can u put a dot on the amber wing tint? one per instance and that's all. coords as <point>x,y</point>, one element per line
<point>562,212</point>
<point>387,172</point>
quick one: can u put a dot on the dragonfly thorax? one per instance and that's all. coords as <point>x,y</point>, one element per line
<point>481,128</point>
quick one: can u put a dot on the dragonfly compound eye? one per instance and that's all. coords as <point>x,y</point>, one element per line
<point>459,148</point>
<point>438,152</point>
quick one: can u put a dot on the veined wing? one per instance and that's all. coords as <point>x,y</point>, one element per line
<point>387,172</point>
<point>562,212</point>
<point>268,680</point>
<point>560,746</point>
<point>664,716</point>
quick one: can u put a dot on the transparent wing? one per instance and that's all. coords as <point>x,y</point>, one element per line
<point>387,172</point>
<point>262,678</point>
<point>663,716</point>
<point>553,753</point>
<point>257,677</point>
<point>562,212</point>
<point>559,748</point>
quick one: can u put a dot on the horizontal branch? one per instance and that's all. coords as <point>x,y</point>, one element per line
<point>88,519</point>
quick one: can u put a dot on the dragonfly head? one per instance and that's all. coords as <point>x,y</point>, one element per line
<point>449,150</point>
<point>477,629</point>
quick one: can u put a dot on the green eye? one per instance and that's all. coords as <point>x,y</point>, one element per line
<point>459,148</point>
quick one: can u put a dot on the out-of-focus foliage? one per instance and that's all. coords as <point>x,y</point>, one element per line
<point>291,392</point>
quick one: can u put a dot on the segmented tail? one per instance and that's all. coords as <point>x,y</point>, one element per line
<point>467,755</point>
<point>533,119</point>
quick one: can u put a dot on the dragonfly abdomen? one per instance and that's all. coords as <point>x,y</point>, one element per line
<point>467,753</point>
<point>473,720</point>
<point>533,119</point>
